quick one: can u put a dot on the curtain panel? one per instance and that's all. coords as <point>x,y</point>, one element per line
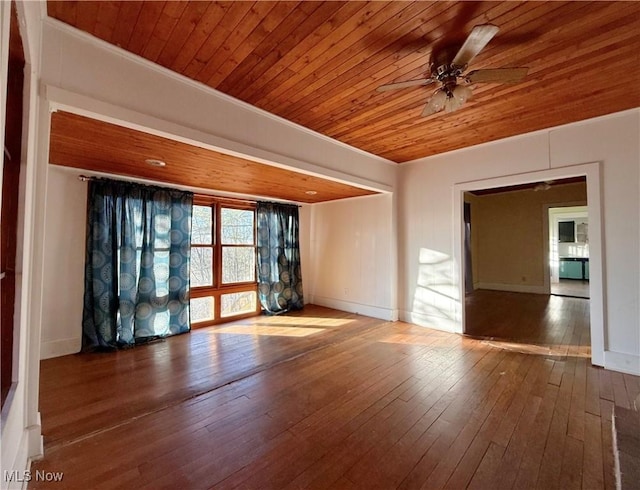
<point>278,262</point>
<point>137,264</point>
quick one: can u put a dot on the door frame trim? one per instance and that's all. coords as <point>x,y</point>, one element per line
<point>593,173</point>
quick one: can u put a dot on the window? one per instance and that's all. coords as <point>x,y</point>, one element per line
<point>223,261</point>
<point>202,246</point>
<point>566,231</point>
<point>238,245</point>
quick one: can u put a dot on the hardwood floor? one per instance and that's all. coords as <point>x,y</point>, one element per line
<point>561,324</point>
<point>571,287</point>
<point>326,399</point>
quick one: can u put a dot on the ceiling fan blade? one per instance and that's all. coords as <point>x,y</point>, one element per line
<point>499,75</point>
<point>475,42</point>
<point>408,83</point>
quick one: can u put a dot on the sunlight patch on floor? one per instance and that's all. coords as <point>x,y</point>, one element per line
<point>303,321</point>
<point>541,350</point>
<point>267,330</point>
<point>413,339</point>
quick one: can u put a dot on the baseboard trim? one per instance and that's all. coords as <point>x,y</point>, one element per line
<point>36,440</point>
<point>513,288</point>
<point>431,321</point>
<point>621,362</point>
<point>388,314</point>
<point>57,348</point>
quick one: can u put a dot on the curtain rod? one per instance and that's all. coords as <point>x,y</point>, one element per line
<point>84,178</point>
<point>279,202</point>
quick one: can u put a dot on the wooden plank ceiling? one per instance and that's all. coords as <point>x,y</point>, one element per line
<point>318,63</point>
<point>89,144</point>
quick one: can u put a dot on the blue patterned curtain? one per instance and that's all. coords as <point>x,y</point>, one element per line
<point>137,264</point>
<point>279,277</point>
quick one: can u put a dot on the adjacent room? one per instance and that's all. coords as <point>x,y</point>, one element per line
<point>517,254</point>
<point>314,244</point>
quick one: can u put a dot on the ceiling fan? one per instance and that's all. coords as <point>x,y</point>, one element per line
<point>447,67</point>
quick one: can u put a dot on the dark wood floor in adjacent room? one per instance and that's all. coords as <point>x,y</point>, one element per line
<point>326,399</point>
<point>556,322</point>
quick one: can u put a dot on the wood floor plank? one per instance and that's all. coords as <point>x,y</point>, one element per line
<point>578,401</point>
<point>508,470</point>
<point>474,457</point>
<point>483,476</point>
<point>475,416</point>
<point>346,454</point>
<point>592,401</point>
<point>571,472</point>
<point>606,385</point>
<point>512,414</point>
<point>551,465</point>
<point>389,466</point>
<point>592,467</point>
<point>620,390</point>
<point>464,420</point>
<point>478,465</point>
<point>356,403</point>
<point>556,373</point>
<point>606,425</point>
<point>529,468</point>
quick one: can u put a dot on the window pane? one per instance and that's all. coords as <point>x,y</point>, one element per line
<point>201,266</point>
<point>201,232</point>
<point>238,264</point>
<point>202,309</point>
<point>238,303</point>
<point>237,226</point>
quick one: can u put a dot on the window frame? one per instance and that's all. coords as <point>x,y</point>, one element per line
<point>218,288</point>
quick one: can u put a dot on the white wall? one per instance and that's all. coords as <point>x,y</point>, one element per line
<point>352,256</point>
<point>426,220</point>
<point>63,274</point>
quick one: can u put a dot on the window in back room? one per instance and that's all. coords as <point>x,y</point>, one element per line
<point>223,258</point>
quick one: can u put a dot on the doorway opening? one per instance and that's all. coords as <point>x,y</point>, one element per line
<point>513,254</point>
<point>569,251</point>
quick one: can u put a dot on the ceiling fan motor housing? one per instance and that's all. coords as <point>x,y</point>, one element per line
<point>441,65</point>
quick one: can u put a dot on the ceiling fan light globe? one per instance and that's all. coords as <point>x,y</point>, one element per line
<point>452,104</point>
<point>462,93</point>
<point>448,106</point>
<point>438,100</point>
